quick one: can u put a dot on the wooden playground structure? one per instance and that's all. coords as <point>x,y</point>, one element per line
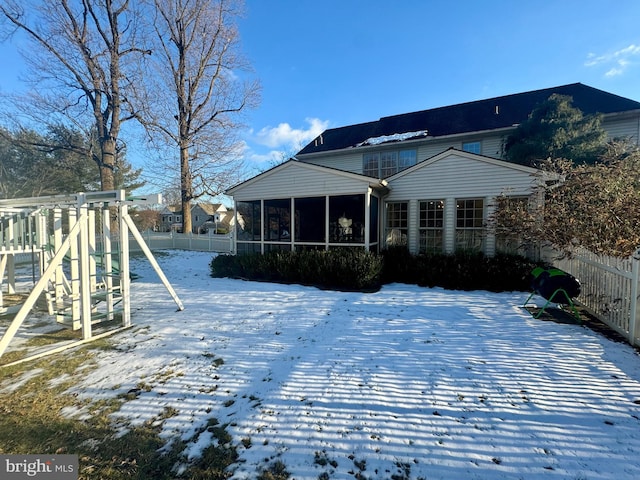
<point>78,248</point>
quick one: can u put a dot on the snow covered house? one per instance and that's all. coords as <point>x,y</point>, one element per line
<point>424,179</point>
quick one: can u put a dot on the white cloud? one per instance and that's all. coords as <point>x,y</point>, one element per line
<point>617,61</point>
<point>273,145</point>
<point>287,138</point>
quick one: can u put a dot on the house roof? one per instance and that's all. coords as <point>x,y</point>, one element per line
<point>372,182</point>
<point>210,208</point>
<point>171,209</point>
<point>481,115</point>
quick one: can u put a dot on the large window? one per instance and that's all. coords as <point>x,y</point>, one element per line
<point>277,220</point>
<point>470,224</point>
<point>307,223</point>
<point>371,165</point>
<point>310,219</point>
<point>431,226</point>
<point>397,223</point>
<point>249,220</point>
<point>346,218</point>
<point>387,163</point>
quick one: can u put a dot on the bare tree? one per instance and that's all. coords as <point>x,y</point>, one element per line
<point>193,100</point>
<point>79,50</point>
<point>595,206</point>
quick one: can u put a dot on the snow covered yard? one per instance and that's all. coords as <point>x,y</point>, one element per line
<point>405,383</point>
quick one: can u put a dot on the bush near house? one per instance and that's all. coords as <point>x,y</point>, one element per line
<point>359,270</point>
<point>459,271</point>
<point>339,269</point>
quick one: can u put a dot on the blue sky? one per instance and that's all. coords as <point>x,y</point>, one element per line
<point>339,62</point>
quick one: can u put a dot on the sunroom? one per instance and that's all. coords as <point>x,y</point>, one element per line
<point>297,206</point>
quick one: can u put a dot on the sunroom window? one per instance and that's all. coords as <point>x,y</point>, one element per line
<point>346,218</point>
<point>249,220</point>
<point>309,219</point>
<point>277,221</point>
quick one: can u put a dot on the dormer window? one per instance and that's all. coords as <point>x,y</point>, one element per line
<point>386,163</point>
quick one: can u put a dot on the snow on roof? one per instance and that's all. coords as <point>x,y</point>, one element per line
<point>396,137</point>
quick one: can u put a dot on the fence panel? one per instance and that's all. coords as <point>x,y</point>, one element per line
<point>202,243</point>
<point>161,241</point>
<point>609,287</point>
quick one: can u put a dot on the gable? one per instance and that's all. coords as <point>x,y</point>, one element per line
<point>207,208</point>
<point>294,178</point>
<point>489,114</point>
<point>455,173</point>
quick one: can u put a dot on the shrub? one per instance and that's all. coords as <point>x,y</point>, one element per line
<point>459,271</point>
<point>358,270</point>
<point>339,269</point>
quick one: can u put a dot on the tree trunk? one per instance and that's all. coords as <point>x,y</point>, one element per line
<point>107,165</point>
<point>186,189</point>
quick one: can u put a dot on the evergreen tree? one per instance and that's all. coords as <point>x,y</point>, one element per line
<point>33,165</point>
<point>556,129</point>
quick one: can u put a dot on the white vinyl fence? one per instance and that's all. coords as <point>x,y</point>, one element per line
<point>609,288</point>
<point>162,241</point>
<point>208,242</point>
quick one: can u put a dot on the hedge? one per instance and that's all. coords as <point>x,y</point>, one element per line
<point>358,270</point>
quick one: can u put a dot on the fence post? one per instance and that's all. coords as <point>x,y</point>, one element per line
<point>635,277</point>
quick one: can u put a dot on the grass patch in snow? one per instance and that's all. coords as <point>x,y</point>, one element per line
<point>39,416</point>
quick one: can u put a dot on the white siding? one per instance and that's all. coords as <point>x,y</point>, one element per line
<point>623,128</point>
<point>453,177</point>
<point>431,149</point>
<point>460,177</point>
<point>298,181</point>
<point>351,162</point>
<point>492,146</point>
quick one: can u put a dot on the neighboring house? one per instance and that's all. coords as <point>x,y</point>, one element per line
<point>204,217</point>
<point>425,179</point>
<point>171,218</point>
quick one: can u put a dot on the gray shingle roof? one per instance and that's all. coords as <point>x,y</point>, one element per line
<point>489,114</point>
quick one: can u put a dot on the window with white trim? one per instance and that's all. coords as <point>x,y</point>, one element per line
<point>472,147</point>
<point>387,163</point>
<point>431,226</point>
<point>397,223</point>
<point>470,224</point>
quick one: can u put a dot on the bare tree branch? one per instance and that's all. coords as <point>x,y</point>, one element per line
<point>79,49</point>
<point>197,65</point>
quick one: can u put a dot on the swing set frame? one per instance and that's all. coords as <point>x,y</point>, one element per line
<point>83,274</point>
